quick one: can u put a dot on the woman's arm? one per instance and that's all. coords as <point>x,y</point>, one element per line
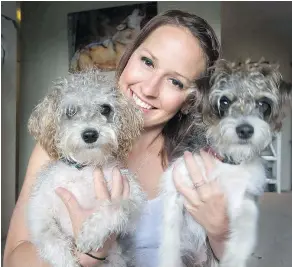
<point>18,250</point>
<point>24,254</point>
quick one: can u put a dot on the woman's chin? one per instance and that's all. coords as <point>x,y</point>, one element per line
<point>151,122</point>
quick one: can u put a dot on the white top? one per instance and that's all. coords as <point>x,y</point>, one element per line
<point>146,239</point>
<point>147,236</point>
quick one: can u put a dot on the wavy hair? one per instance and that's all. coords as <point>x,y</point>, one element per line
<point>179,127</point>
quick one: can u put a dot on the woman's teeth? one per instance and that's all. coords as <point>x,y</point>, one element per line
<point>140,103</point>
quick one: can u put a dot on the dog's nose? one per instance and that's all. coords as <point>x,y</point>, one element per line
<point>90,136</point>
<point>244,131</point>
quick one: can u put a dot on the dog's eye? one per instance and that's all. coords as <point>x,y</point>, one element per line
<point>106,109</point>
<point>224,103</point>
<point>264,107</point>
<point>71,111</point>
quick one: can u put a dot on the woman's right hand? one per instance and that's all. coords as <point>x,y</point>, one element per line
<point>120,190</point>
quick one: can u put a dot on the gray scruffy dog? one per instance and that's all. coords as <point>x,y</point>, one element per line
<point>83,123</point>
<point>241,112</point>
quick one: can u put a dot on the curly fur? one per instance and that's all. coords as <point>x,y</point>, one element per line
<point>244,86</point>
<point>43,122</point>
<point>78,105</point>
<point>127,116</point>
<point>259,78</point>
<point>45,118</point>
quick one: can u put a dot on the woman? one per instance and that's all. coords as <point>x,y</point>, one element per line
<point>172,50</point>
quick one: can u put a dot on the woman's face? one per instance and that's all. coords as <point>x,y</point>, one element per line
<point>159,73</point>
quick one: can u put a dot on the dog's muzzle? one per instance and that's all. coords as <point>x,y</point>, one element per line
<point>244,131</point>
<point>90,136</point>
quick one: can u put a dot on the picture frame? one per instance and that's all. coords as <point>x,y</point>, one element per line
<point>98,38</point>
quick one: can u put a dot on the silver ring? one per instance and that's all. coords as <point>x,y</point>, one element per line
<point>198,184</point>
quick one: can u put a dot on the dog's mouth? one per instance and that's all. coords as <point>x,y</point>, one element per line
<point>89,154</point>
<point>90,147</point>
<point>244,142</point>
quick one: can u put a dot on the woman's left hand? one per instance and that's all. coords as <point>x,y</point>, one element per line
<point>205,201</point>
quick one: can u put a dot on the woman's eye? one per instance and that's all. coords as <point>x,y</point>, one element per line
<point>71,111</point>
<point>147,61</point>
<point>177,83</point>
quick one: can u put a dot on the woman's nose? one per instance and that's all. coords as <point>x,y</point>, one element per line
<point>151,86</point>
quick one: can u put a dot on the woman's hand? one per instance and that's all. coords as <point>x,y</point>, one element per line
<point>120,190</point>
<point>205,201</point>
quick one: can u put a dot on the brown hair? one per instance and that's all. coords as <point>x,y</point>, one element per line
<point>177,127</point>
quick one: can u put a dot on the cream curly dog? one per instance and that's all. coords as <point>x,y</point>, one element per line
<point>83,123</point>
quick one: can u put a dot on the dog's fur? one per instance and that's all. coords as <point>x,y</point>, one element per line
<point>249,89</point>
<point>82,106</point>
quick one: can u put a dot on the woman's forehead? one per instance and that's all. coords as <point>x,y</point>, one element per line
<point>175,49</point>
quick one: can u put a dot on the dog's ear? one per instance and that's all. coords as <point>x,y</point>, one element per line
<point>285,103</point>
<point>285,90</point>
<point>271,72</point>
<point>44,120</point>
<point>130,122</point>
<point>221,69</point>
<point>198,102</point>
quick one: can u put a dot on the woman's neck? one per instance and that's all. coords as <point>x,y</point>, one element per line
<point>145,161</point>
<point>146,140</point>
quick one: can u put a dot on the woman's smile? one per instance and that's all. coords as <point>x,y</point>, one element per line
<point>143,105</point>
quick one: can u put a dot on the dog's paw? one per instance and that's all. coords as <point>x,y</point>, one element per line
<point>86,244</point>
<point>113,218</point>
<point>94,232</point>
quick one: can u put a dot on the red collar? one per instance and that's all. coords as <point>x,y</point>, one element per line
<point>211,151</point>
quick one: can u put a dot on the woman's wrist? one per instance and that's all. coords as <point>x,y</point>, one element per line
<point>217,244</point>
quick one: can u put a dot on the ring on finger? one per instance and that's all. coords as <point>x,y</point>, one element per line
<point>198,184</point>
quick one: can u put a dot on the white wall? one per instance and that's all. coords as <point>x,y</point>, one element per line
<point>247,34</point>
<point>8,125</point>
<point>45,50</point>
